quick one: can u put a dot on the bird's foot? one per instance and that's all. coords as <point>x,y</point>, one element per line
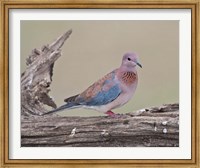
<point>113,115</point>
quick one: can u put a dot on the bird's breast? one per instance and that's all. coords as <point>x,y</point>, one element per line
<point>129,78</point>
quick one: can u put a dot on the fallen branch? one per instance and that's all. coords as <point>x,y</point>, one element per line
<point>148,127</point>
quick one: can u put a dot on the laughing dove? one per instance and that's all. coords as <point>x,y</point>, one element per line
<point>112,91</point>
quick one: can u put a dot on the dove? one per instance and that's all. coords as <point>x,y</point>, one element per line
<point>110,92</point>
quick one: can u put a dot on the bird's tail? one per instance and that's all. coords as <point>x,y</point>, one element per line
<point>65,106</point>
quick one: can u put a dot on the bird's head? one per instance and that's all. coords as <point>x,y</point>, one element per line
<point>130,60</point>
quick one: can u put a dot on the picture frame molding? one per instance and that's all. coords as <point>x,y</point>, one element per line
<point>100,4</point>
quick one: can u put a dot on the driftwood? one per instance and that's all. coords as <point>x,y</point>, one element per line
<point>158,126</point>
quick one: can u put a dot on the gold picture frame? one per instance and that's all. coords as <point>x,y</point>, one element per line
<point>194,5</point>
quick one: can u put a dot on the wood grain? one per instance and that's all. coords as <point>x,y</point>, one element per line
<point>157,127</point>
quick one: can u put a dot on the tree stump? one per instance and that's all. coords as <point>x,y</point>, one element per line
<point>157,126</point>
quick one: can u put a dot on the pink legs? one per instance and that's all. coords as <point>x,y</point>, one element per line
<point>112,114</point>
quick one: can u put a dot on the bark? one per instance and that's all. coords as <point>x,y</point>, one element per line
<point>36,80</point>
<point>158,126</point>
<point>147,127</point>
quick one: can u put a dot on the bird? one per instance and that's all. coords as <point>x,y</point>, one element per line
<point>110,92</point>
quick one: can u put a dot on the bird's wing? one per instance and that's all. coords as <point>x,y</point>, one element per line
<point>101,92</point>
<point>71,99</point>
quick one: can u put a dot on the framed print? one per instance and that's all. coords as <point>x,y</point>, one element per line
<point>99,83</point>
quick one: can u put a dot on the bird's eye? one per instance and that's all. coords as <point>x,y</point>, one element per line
<point>129,59</point>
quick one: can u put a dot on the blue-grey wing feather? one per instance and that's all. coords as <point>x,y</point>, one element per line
<point>103,97</point>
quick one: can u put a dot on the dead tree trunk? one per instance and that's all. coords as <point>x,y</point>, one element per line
<point>157,126</point>
<point>37,78</point>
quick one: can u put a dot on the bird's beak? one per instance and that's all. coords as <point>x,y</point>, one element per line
<point>139,64</point>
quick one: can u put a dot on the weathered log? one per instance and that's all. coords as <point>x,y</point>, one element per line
<point>157,126</point>
<point>147,127</point>
<point>37,78</point>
